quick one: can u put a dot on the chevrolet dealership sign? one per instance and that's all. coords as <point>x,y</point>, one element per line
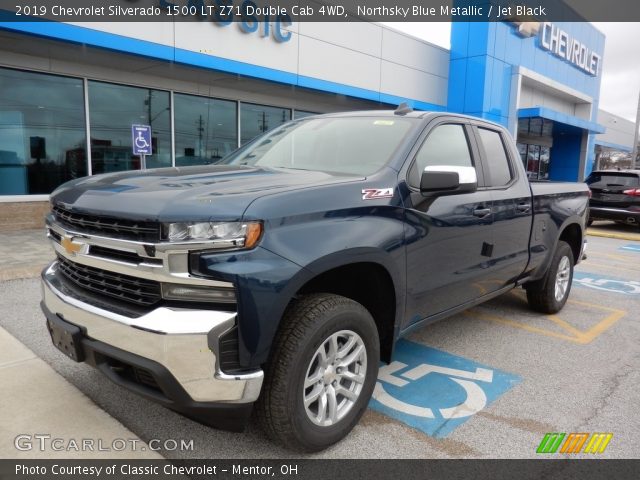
<point>558,42</point>
<point>555,40</point>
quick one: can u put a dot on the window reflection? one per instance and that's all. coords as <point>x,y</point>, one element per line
<point>298,114</point>
<point>206,129</point>
<point>42,132</point>
<point>536,159</point>
<point>113,109</point>
<point>257,119</point>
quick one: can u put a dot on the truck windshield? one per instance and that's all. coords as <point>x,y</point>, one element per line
<point>348,145</point>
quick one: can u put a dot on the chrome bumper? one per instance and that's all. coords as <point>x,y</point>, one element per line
<point>177,339</point>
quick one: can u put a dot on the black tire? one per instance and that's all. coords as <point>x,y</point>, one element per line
<point>308,324</point>
<point>541,294</point>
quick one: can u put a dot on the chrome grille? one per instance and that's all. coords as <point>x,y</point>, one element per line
<point>142,231</point>
<point>123,287</point>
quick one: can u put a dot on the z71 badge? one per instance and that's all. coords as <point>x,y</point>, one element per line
<point>375,193</point>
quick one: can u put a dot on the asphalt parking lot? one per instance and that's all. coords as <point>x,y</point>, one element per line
<point>491,381</point>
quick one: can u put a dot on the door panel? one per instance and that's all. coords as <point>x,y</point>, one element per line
<point>512,213</point>
<point>512,208</point>
<point>446,235</point>
<point>445,242</point>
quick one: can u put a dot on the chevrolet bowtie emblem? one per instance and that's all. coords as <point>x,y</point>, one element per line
<point>526,29</point>
<point>70,247</point>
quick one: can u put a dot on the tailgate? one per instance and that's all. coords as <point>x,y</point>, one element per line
<point>607,189</point>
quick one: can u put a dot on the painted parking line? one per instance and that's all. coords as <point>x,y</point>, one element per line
<point>558,327</point>
<point>606,284</point>
<point>632,247</point>
<point>434,391</point>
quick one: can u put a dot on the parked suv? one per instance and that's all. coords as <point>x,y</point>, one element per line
<point>615,195</point>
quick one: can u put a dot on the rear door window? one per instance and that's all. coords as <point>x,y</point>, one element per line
<point>497,160</point>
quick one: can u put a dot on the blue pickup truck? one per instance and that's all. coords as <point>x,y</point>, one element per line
<point>276,281</point>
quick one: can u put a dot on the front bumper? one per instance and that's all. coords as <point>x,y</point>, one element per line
<point>178,348</point>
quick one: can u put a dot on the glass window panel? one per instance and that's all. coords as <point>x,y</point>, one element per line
<point>545,157</point>
<point>533,161</point>
<point>298,114</point>
<point>535,127</point>
<point>547,128</point>
<point>206,129</point>
<point>497,160</point>
<point>445,145</point>
<point>257,119</point>
<point>603,180</point>
<point>113,109</point>
<point>523,126</point>
<point>42,132</point>
<point>522,149</point>
<point>351,145</point>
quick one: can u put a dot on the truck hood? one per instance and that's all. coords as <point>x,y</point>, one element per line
<point>218,192</point>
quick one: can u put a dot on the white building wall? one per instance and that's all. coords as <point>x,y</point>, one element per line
<point>620,131</point>
<point>363,55</point>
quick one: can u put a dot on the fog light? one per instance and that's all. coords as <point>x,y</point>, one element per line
<point>198,293</point>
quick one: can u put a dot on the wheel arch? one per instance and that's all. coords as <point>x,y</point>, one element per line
<point>572,234</point>
<point>369,284</point>
<point>368,276</point>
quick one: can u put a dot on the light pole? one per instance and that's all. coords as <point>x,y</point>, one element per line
<point>634,155</point>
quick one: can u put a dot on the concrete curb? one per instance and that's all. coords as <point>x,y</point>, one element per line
<point>620,236</point>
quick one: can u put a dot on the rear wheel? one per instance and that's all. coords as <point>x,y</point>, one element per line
<point>321,374</point>
<point>549,294</point>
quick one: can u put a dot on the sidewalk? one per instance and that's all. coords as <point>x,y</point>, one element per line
<point>35,399</point>
<point>38,401</point>
<point>23,254</point>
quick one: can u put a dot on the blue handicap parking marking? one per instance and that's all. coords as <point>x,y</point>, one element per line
<point>435,391</point>
<point>633,247</point>
<point>606,284</point>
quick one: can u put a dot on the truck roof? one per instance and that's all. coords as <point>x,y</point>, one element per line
<point>412,114</point>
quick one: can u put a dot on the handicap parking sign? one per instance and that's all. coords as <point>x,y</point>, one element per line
<point>434,391</point>
<point>141,139</point>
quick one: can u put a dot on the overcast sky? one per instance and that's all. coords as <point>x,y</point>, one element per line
<point>621,66</point>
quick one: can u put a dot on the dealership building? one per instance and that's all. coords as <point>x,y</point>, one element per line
<point>70,93</point>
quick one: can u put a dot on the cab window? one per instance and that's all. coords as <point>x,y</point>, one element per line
<point>497,160</point>
<point>446,145</point>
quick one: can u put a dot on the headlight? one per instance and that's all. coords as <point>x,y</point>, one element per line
<point>220,234</point>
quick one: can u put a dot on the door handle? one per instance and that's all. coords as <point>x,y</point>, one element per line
<point>482,212</point>
<point>523,207</point>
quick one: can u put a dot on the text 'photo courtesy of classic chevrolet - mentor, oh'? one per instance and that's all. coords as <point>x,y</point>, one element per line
<point>278,279</point>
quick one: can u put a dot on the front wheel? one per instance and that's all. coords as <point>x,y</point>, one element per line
<point>549,294</point>
<point>321,374</point>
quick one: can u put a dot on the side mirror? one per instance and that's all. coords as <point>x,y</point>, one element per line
<point>448,180</point>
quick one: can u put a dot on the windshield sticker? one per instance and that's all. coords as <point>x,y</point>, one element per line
<point>384,122</point>
<point>375,193</point>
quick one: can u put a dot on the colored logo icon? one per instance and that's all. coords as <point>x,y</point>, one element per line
<point>574,442</point>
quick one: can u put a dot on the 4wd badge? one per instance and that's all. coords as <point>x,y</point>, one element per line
<point>375,193</point>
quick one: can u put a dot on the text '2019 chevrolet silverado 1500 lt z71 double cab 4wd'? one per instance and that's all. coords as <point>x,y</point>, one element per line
<point>280,278</point>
